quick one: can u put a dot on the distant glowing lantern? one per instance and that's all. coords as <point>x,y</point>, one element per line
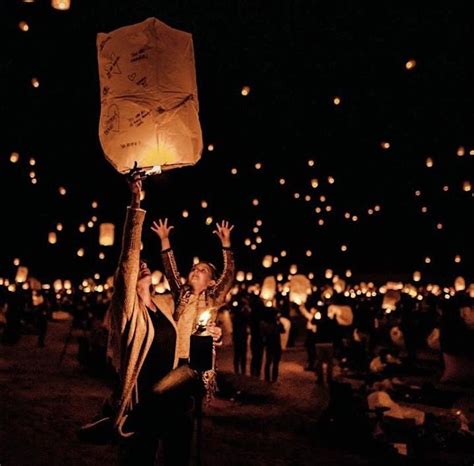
<point>149,102</point>
<point>255,230</point>
<point>331,180</point>
<point>249,276</point>
<point>16,261</point>
<point>459,284</point>
<point>339,285</point>
<point>410,64</point>
<point>309,253</point>
<point>344,315</point>
<point>14,156</point>
<point>336,100</point>
<point>377,208</point>
<point>282,181</point>
<point>416,276</point>
<point>457,259</point>
<point>328,274</point>
<point>61,4</point>
<point>300,288</point>
<point>314,183</point>
<point>429,162</point>
<point>427,260</point>
<point>348,273</point>
<point>466,186</point>
<point>185,214</point>
<point>307,198</point>
<point>204,204</point>
<point>80,252</point>
<point>52,237</point>
<point>58,285</point>
<point>106,234</point>
<point>23,25</point>
<point>268,290</point>
<point>259,223</point>
<point>245,91</point>
<point>255,202</point>
<point>234,171</point>
<point>247,242</point>
<point>21,274</point>
<point>321,222</point>
<point>439,226</point>
<point>101,256</point>
<point>283,253</point>
<point>35,82</point>
<point>461,151</point>
<point>90,223</point>
<point>311,163</point>
<point>62,191</point>
<point>390,300</point>
<point>208,220</point>
<point>82,228</point>
<point>258,240</point>
<point>240,277</point>
<point>385,145</point>
<point>258,166</point>
<point>253,247</point>
<point>296,195</point>
<point>293,269</point>
<point>267,261</point>
<point>343,248</point>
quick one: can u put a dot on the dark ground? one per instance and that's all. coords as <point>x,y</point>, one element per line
<point>42,405</point>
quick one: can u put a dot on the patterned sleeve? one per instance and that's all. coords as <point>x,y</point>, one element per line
<point>171,271</point>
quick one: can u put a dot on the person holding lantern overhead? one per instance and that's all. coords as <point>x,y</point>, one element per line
<point>143,348</point>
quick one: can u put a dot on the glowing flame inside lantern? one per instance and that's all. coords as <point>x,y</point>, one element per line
<point>204,318</point>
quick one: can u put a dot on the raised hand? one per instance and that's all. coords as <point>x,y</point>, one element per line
<point>135,185</point>
<point>223,232</point>
<point>162,229</point>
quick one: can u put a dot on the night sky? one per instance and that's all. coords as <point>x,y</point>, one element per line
<point>296,57</point>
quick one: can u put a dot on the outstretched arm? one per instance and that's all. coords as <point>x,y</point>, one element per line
<point>126,276</point>
<point>162,229</point>
<point>224,282</point>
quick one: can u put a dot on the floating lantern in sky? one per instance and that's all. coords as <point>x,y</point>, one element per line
<point>385,145</point>
<point>35,82</point>
<point>457,259</point>
<point>309,253</point>
<point>311,163</point>
<point>268,290</point>
<point>439,226</point>
<point>185,214</point>
<point>32,175</point>
<point>90,224</point>
<point>267,261</point>
<point>445,188</point>
<point>283,253</point>
<point>240,277</point>
<point>14,157</point>
<point>34,180</point>
<point>247,242</point>
<point>234,171</point>
<point>245,91</point>
<point>21,274</point>
<point>427,260</point>
<point>82,228</point>
<point>106,234</point>
<point>255,230</point>
<point>331,180</point>
<point>296,195</point>
<point>416,276</point>
<point>328,208</point>
<point>343,248</point>
<point>328,274</point>
<point>370,211</point>
<point>16,261</point>
<point>293,269</point>
<point>80,252</point>
<point>321,222</point>
<point>336,100</point>
<point>355,218</point>
<point>258,240</point>
<point>23,25</point>
<point>94,205</point>
<point>466,186</point>
<point>149,102</point>
<point>196,260</point>
<point>210,147</point>
<point>410,64</point>
<point>259,223</point>
<point>429,162</point>
<point>348,273</point>
<point>347,215</point>
<point>459,284</point>
<point>62,191</point>
<point>58,285</point>
<point>317,210</point>
<point>417,193</point>
<point>258,166</point>
<point>255,202</point>
<point>208,220</point>
<point>249,276</point>
<point>204,204</point>
<point>460,152</point>
<point>59,226</point>
<point>282,181</point>
<point>377,208</point>
<point>314,183</point>
<point>101,256</point>
<point>322,198</point>
<point>424,209</point>
<point>275,259</point>
<point>61,4</point>
<point>52,237</point>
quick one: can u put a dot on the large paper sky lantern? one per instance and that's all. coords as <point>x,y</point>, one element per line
<point>149,103</point>
<point>268,290</point>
